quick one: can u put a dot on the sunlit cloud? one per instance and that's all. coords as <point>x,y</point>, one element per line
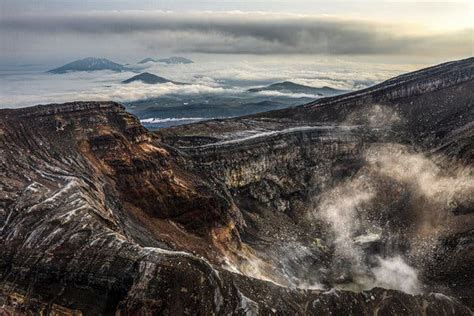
<point>223,33</point>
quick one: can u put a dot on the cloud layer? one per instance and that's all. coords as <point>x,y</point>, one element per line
<point>226,33</point>
<point>228,74</point>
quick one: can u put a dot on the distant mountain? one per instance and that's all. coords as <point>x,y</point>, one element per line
<point>89,64</point>
<point>149,78</point>
<point>147,60</point>
<point>326,200</point>
<point>291,87</point>
<point>175,60</point>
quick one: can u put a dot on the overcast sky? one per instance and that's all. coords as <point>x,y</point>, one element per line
<point>63,29</point>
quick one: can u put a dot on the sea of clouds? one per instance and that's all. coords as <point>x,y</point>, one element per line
<point>26,86</point>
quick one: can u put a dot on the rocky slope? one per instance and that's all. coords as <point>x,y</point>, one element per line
<point>256,215</point>
<point>393,161</point>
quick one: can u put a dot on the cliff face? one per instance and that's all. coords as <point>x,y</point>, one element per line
<point>395,159</point>
<point>110,147</point>
<point>85,191</point>
<point>256,215</point>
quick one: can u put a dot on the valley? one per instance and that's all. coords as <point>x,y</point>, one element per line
<point>355,204</point>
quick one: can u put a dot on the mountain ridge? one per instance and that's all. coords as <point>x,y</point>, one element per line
<point>218,217</point>
<point>291,87</point>
<point>88,64</point>
<point>458,71</point>
<point>175,60</point>
<point>149,78</point>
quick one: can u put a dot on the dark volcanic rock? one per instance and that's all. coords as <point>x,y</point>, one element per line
<point>100,216</point>
<point>85,189</point>
<point>281,166</point>
<point>436,101</point>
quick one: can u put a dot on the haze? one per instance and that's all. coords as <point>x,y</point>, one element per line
<point>53,31</point>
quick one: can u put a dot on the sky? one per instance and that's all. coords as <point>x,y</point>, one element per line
<point>60,30</point>
<point>236,44</point>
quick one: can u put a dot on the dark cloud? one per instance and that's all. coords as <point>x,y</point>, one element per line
<point>251,33</point>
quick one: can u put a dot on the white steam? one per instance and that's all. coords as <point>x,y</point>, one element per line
<point>389,169</point>
<point>339,208</point>
<point>346,209</point>
<point>398,196</point>
<point>435,190</point>
<point>376,116</point>
<point>424,174</point>
<point>394,273</point>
